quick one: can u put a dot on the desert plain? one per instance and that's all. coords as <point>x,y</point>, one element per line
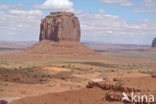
<point>28,78</point>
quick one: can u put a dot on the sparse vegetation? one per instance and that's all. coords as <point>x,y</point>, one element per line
<point>51,85</point>
<point>120,83</point>
<point>24,75</point>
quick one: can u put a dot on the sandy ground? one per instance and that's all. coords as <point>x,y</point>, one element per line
<point>70,89</point>
<point>93,95</point>
<point>129,72</point>
<point>56,69</point>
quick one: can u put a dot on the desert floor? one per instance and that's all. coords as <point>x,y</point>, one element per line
<point>41,79</point>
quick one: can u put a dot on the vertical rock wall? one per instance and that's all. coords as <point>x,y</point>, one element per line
<point>60,26</point>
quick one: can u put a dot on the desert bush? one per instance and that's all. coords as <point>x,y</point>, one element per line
<point>24,75</point>
<point>120,83</point>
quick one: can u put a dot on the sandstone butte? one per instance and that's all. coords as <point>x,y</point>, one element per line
<point>60,36</point>
<point>60,26</point>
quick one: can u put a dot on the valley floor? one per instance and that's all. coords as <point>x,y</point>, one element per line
<point>43,79</point>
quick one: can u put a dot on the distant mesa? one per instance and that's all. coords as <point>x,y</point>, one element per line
<point>154,43</point>
<point>60,26</point>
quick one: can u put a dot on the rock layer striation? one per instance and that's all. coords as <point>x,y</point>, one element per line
<point>60,26</point>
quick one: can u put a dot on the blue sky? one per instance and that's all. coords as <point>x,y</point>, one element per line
<point>104,21</point>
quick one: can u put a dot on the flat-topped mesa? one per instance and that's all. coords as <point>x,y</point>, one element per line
<point>154,43</point>
<point>61,14</point>
<point>60,26</point>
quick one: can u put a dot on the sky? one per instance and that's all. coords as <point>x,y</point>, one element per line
<point>102,21</point>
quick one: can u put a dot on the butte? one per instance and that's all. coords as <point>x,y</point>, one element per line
<point>60,36</point>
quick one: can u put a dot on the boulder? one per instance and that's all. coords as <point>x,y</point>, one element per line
<point>112,96</point>
<point>60,26</point>
<point>153,75</point>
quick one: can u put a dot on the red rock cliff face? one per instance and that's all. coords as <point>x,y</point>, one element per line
<point>60,26</point>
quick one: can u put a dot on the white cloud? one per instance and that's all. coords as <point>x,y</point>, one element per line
<point>20,25</point>
<point>148,2</point>
<point>101,11</point>
<point>26,12</point>
<point>111,28</point>
<point>119,2</point>
<point>8,7</point>
<point>4,6</point>
<point>144,10</point>
<point>56,5</point>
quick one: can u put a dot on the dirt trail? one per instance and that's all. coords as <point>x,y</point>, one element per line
<point>58,69</point>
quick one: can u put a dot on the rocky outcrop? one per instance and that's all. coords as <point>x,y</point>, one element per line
<point>153,75</point>
<point>113,87</point>
<point>154,43</point>
<point>60,26</point>
<point>112,96</point>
